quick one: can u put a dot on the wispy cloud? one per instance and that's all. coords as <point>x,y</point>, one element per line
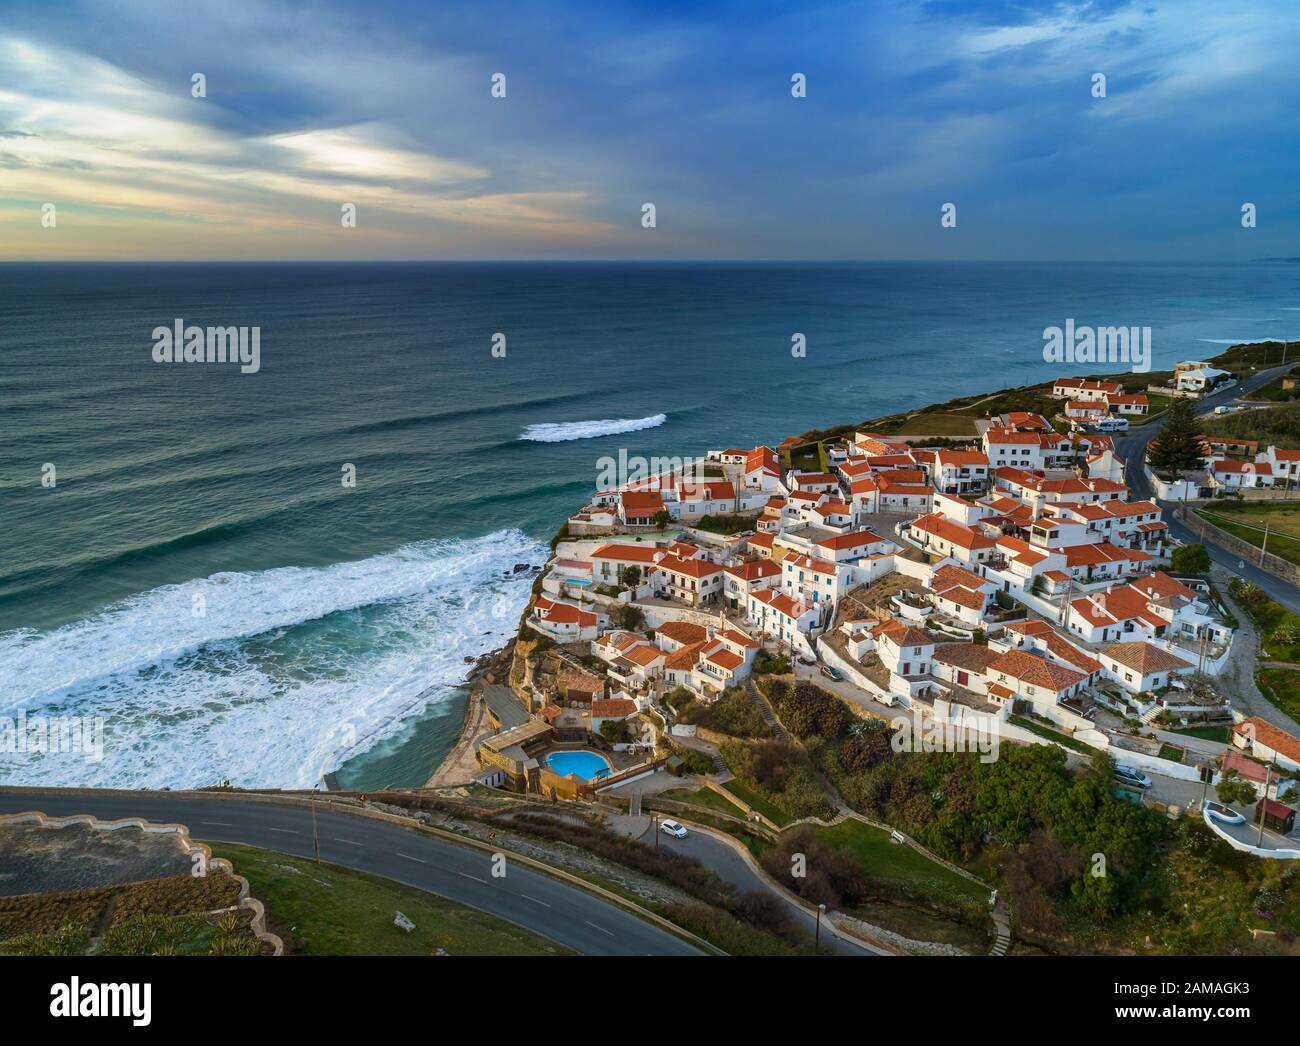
<point>983,104</point>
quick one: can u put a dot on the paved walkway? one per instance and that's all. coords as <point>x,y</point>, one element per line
<point>1237,680</point>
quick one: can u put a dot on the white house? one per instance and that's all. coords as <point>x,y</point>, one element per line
<point>1138,666</point>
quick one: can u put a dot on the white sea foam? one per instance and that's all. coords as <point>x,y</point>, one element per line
<point>289,671</point>
<point>559,432</point>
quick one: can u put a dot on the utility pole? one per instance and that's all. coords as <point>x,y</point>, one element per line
<point>1263,544</point>
<point>817,936</point>
<point>1262,808</point>
<point>315,839</point>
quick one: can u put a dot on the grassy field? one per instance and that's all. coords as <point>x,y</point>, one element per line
<point>1248,520</point>
<point>1205,733</point>
<point>882,859</point>
<point>758,801</point>
<point>1282,687</point>
<point>342,912</point>
<point>704,797</point>
<point>937,424</point>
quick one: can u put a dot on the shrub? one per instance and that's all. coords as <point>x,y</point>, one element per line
<point>1190,559</point>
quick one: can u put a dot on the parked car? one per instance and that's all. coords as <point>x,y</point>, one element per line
<point>1223,814</point>
<point>832,673</point>
<point>806,661</point>
<point>674,829</point>
<point>1129,776</point>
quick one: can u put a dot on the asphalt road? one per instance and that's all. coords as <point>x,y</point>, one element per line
<point>1132,448</point>
<point>730,866</point>
<point>566,914</point>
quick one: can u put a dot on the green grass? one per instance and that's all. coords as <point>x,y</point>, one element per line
<point>343,912</point>
<point>758,801</point>
<point>1248,520</point>
<point>1041,730</point>
<point>704,797</point>
<point>1205,733</point>
<point>882,859</point>
<point>1173,753</point>
<point>937,424</point>
<point>1282,687</point>
<point>1270,616</point>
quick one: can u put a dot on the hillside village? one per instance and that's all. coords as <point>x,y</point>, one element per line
<point>1014,577</point>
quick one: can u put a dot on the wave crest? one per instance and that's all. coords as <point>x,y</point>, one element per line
<point>560,432</point>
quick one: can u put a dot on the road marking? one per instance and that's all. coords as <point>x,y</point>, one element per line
<point>223,824</point>
<point>600,928</point>
<point>409,857</point>
<point>474,877</point>
<point>286,831</point>
<point>350,842</point>
<point>535,900</point>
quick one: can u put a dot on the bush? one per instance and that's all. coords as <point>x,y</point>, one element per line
<point>733,713</point>
<point>771,664</point>
<point>831,877</point>
<point>627,616</point>
<point>1190,559</point>
<point>779,773</point>
<point>807,710</point>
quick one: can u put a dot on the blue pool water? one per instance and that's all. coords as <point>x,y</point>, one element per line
<point>587,765</point>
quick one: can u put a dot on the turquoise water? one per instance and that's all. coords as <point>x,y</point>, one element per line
<point>587,765</point>
<point>336,621</point>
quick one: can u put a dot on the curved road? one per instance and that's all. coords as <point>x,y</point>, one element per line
<point>1132,448</point>
<point>566,914</point>
<point>731,867</point>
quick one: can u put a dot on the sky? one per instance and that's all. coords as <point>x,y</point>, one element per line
<point>388,106</point>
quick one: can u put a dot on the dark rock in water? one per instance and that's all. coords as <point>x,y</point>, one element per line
<point>521,567</point>
<point>470,660</point>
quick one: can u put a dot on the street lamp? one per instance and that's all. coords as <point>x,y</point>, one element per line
<point>817,935</point>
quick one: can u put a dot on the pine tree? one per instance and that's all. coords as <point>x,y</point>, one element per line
<point>1178,447</point>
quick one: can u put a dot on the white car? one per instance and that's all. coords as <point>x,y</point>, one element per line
<point>674,829</point>
<point>1129,776</point>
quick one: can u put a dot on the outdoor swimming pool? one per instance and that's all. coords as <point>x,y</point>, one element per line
<point>587,765</point>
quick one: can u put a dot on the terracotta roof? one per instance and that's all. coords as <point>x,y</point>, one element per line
<point>725,658</point>
<point>1035,670</point>
<point>686,657</point>
<point>631,553</point>
<point>945,529</point>
<point>1145,658</point>
<point>754,570</point>
<point>973,657</point>
<point>1244,765</point>
<point>1270,736</point>
<point>850,540</point>
<point>902,635</point>
<point>683,631</point>
<point>614,708</point>
<point>641,503</point>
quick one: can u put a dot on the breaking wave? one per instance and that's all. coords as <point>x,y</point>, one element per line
<point>559,432</point>
<point>284,674</point>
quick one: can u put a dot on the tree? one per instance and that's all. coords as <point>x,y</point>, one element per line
<point>1235,789</point>
<point>628,616</point>
<point>1178,447</point>
<point>662,518</point>
<point>1190,559</point>
<point>630,576</point>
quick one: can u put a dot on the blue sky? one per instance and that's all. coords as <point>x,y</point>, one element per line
<point>909,106</point>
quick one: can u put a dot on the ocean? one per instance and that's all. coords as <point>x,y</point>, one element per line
<point>194,571</point>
